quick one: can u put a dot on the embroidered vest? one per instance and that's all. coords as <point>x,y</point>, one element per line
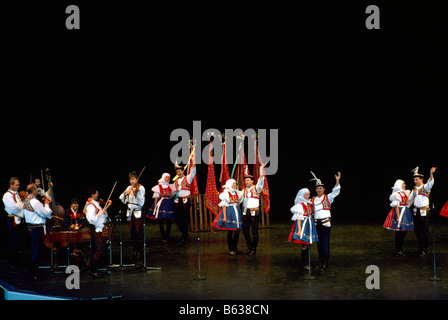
<point>326,205</point>
<point>404,199</point>
<point>251,193</point>
<point>184,184</point>
<point>307,209</point>
<point>164,192</point>
<point>233,197</point>
<point>423,192</point>
<point>27,204</point>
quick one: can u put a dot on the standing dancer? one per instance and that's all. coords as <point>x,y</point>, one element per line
<point>400,217</point>
<point>322,215</point>
<point>251,211</point>
<point>420,198</point>
<point>163,207</point>
<point>230,217</point>
<point>182,200</point>
<point>96,216</point>
<point>14,209</point>
<point>134,197</point>
<point>304,229</point>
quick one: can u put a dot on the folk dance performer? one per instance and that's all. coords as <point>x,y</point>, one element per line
<point>251,210</point>
<point>163,207</point>
<point>134,197</point>
<point>97,217</point>
<point>35,216</point>
<point>420,198</point>
<point>14,209</point>
<point>230,217</point>
<point>322,215</point>
<point>400,217</point>
<point>182,201</point>
<point>303,230</point>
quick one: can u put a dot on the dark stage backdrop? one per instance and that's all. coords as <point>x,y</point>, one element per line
<point>95,103</point>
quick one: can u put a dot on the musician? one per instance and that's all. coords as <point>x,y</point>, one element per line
<point>134,197</point>
<point>41,194</point>
<point>96,216</point>
<point>36,214</point>
<point>74,219</point>
<point>14,209</point>
<point>182,200</point>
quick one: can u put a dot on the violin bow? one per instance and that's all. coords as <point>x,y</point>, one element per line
<point>107,202</point>
<point>141,172</point>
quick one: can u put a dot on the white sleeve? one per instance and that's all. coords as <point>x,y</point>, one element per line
<point>428,185</point>
<point>225,200</point>
<point>43,211</point>
<point>190,177</point>
<point>260,184</point>
<point>141,194</point>
<point>124,197</point>
<point>395,200</point>
<point>240,196</point>
<point>156,191</point>
<point>11,206</point>
<point>92,218</point>
<point>334,193</point>
<point>297,211</point>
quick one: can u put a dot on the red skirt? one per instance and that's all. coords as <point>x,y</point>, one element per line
<point>292,233</point>
<point>444,211</point>
<point>388,223</point>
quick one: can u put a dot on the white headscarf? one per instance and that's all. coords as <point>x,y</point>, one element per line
<point>228,185</point>
<point>398,186</point>
<point>300,196</point>
<point>162,180</point>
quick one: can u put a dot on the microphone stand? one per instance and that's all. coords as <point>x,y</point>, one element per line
<point>119,218</point>
<point>434,278</point>
<point>145,267</point>
<point>109,296</point>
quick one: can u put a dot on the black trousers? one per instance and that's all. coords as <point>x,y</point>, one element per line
<point>36,242</point>
<point>248,223</point>
<point>14,233</point>
<point>182,215</point>
<point>399,240</point>
<point>165,233</point>
<point>96,249</point>
<point>232,240</point>
<point>136,229</point>
<point>421,224</point>
<point>323,245</point>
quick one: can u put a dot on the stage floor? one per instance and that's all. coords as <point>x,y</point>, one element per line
<point>274,273</point>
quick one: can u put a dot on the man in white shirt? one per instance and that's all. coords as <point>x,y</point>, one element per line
<point>420,199</point>
<point>36,214</point>
<point>14,209</point>
<point>251,211</point>
<point>134,197</point>
<point>96,216</point>
<point>322,215</point>
<point>182,200</point>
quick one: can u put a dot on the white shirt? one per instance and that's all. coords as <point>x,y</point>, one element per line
<point>13,203</point>
<point>419,200</point>
<point>135,203</point>
<point>185,193</point>
<point>40,213</point>
<point>93,212</point>
<point>249,202</point>
<point>319,213</point>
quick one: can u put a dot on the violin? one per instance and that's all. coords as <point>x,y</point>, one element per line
<point>23,195</point>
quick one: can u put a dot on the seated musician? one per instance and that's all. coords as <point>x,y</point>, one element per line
<point>74,219</point>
